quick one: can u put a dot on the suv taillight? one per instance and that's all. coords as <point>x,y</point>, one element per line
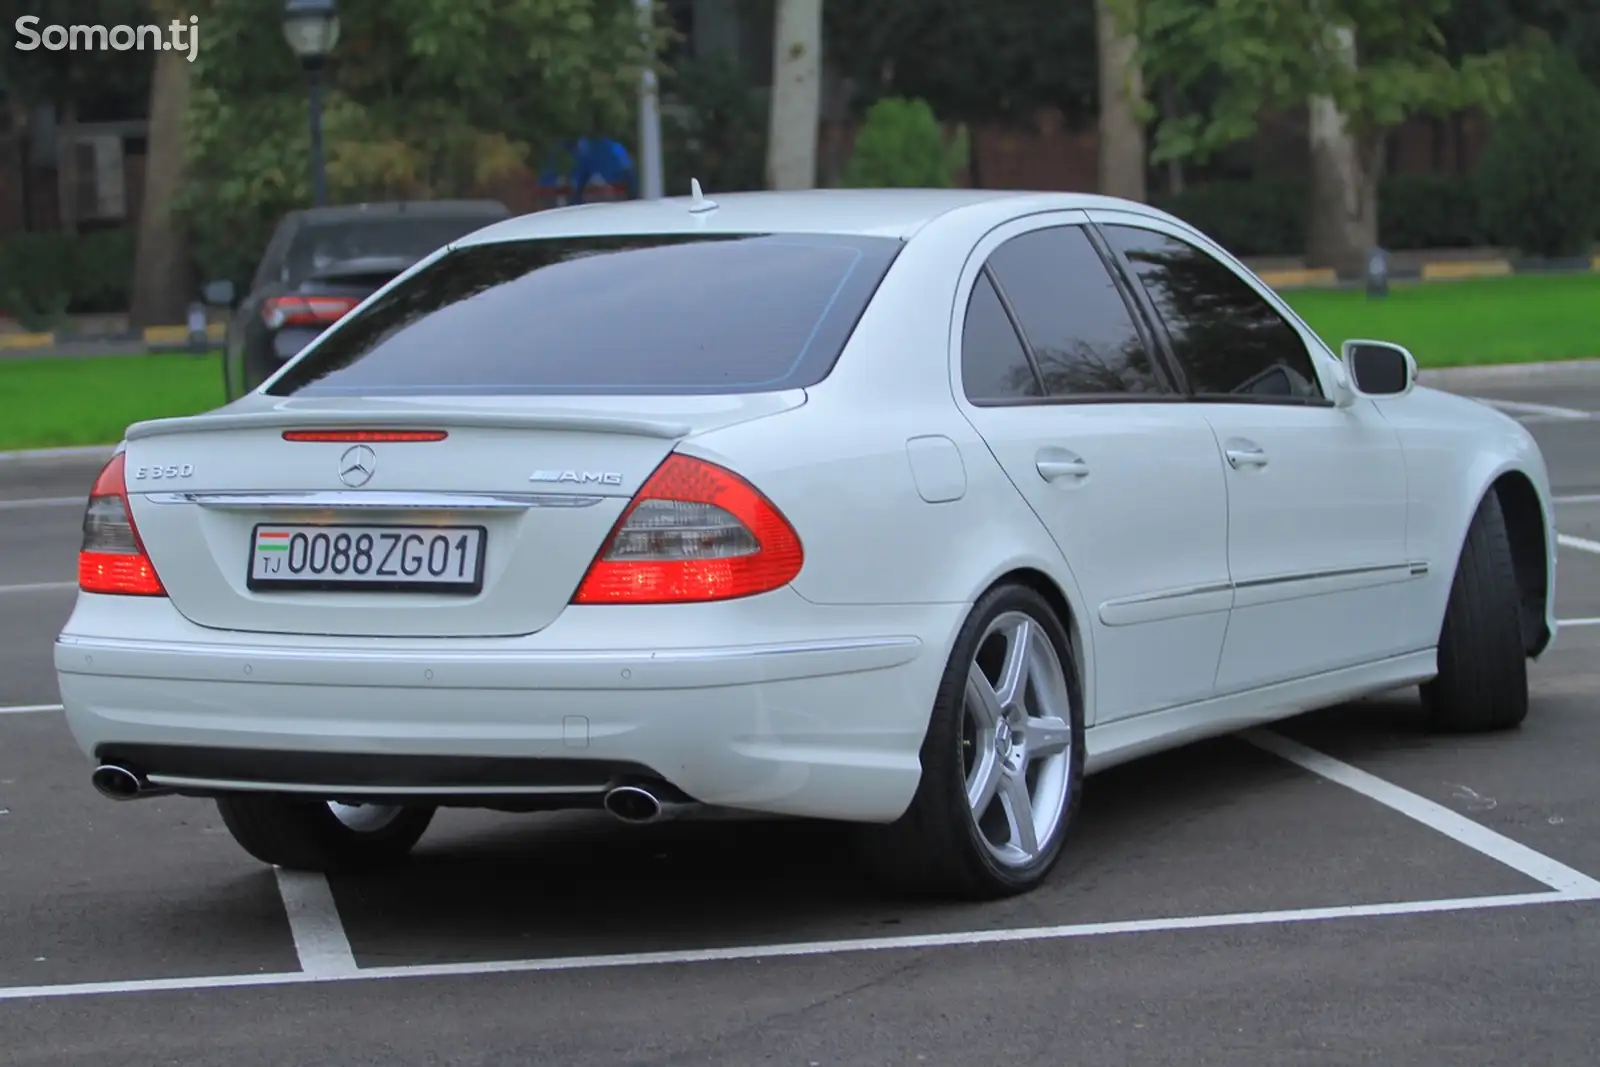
<point>694,532</point>
<point>112,559</point>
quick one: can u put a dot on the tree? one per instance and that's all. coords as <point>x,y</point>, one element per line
<point>796,95</point>
<point>1367,64</point>
<point>1000,61</point>
<point>1540,174</point>
<point>69,80</point>
<point>425,98</point>
<point>1122,141</point>
<point>901,145</point>
<point>163,276</point>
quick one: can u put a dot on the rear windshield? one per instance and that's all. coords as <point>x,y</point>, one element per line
<point>660,314</point>
<point>321,245</point>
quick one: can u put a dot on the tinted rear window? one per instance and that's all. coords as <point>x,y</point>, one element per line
<point>320,245</point>
<point>664,315</point>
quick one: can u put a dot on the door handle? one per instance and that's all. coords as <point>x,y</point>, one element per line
<point>1053,468</point>
<point>1239,458</point>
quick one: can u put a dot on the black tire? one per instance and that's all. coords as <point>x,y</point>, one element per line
<point>1482,682</point>
<point>935,849</point>
<point>306,835</point>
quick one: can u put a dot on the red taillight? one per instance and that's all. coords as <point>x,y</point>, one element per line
<point>365,436</point>
<point>281,311</point>
<point>694,532</point>
<point>112,559</point>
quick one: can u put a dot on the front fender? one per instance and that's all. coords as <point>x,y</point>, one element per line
<point>1456,450</point>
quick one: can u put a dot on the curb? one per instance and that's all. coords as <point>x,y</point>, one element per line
<point>155,337</point>
<point>1450,270</point>
<point>1499,372</point>
<point>79,452</point>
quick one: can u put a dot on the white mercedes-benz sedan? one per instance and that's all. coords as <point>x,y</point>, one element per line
<point>903,508</point>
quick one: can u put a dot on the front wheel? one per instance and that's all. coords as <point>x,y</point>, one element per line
<point>1482,682</point>
<point>1002,762</point>
<point>314,835</point>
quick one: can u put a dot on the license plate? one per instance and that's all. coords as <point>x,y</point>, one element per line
<point>392,559</point>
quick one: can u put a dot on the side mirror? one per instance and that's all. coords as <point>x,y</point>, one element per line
<point>1378,368</point>
<point>219,293</point>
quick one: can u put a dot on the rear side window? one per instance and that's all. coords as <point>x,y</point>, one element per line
<point>675,314</point>
<point>994,365</point>
<point>1079,327</point>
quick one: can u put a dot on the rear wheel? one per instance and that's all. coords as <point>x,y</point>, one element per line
<point>1002,762</point>
<point>313,835</point>
<point>1482,682</point>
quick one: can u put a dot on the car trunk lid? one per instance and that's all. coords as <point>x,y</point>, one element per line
<point>487,511</point>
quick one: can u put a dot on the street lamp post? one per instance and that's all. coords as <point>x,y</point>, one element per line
<point>650,180</point>
<point>312,29</point>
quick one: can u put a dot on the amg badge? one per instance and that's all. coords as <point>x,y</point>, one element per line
<point>578,477</point>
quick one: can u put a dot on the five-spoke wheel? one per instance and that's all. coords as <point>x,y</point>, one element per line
<point>1002,760</point>
<point>1017,739</point>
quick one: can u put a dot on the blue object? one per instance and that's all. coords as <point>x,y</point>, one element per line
<point>602,158</point>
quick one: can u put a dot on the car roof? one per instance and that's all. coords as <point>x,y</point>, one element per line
<point>424,209</point>
<point>897,213</point>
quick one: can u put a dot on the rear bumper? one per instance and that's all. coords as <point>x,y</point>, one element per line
<point>780,706</point>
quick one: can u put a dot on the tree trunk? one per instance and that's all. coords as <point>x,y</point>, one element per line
<point>796,95</point>
<point>163,282</point>
<point>1343,222</point>
<point>67,167</point>
<point>1122,143</point>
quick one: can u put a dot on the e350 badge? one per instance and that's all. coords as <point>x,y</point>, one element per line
<point>160,472</point>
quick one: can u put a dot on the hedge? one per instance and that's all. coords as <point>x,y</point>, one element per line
<point>1268,218</point>
<point>45,276</point>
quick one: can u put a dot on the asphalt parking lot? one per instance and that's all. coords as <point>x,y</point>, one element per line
<point>1343,889</point>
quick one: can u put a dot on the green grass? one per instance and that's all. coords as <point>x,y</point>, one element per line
<point>61,401</point>
<point>55,402</point>
<point>1520,319</point>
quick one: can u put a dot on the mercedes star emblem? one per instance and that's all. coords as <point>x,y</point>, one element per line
<point>356,466</point>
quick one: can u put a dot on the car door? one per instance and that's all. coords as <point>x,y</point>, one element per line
<point>1060,378</point>
<point>1317,493</point>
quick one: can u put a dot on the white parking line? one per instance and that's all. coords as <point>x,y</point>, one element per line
<point>42,502</point>
<point>1520,407</point>
<point>1582,544</point>
<point>1579,498</point>
<point>960,939</point>
<point>29,709</point>
<point>1578,622</point>
<point>37,587</point>
<point>325,954</point>
<point>1474,835</point>
<point>319,937</point>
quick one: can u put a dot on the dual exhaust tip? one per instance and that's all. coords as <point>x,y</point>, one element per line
<point>637,804</point>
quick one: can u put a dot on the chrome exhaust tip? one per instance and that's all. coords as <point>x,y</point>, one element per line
<point>119,783</point>
<point>632,803</point>
<point>648,801</point>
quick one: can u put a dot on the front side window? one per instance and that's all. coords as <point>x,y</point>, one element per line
<point>1230,342</point>
<point>642,314</point>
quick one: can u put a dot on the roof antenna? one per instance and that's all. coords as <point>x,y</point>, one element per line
<point>700,203</point>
